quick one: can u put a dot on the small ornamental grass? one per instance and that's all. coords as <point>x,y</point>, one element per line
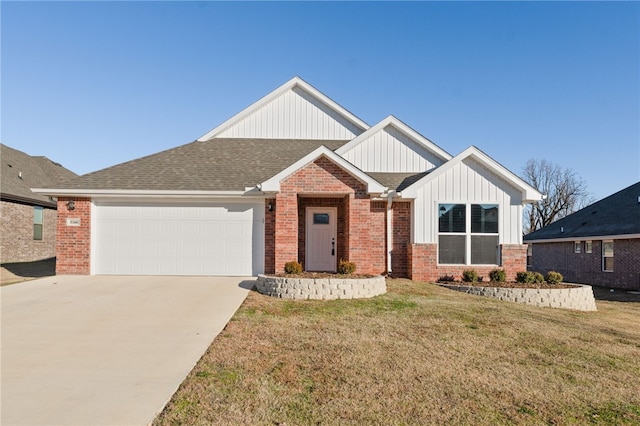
<point>292,267</point>
<point>346,268</point>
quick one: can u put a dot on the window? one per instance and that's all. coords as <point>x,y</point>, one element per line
<point>321,218</point>
<point>588,247</point>
<point>577,245</point>
<point>529,254</point>
<point>38,221</point>
<point>607,256</point>
<point>468,234</point>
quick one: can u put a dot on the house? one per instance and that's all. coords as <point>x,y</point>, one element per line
<point>598,245</point>
<point>28,220</point>
<point>295,176</point>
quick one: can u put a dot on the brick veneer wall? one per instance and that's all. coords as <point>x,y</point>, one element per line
<point>73,247</point>
<point>364,228</point>
<point>586,268</point>
<point>401,231</point>
<point>270,236</point>
<point>423,263</point>
<point>16,237</point>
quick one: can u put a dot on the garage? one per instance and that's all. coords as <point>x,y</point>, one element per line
<point>222,238</point>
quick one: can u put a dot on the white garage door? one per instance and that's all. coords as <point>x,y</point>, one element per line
<point>184,239</point>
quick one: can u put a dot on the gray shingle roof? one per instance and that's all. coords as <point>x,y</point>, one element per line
<point>213,165</point>
<point>397,181</point>
<point>21,172</point>
<point>617,214</point>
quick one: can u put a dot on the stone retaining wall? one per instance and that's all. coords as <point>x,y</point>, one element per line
<point>578,298</point>
<point>321,288</point>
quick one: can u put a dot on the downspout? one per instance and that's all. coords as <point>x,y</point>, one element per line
<point>389,230</point>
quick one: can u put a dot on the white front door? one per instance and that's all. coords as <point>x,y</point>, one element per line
<point>321,239</point>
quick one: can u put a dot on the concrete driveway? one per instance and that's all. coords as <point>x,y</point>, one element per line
<point>106,350</point>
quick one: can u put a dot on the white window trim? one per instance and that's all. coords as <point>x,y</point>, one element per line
<point>603,256</point>
<point>588,246</point>
<point>468,234</point>
<point>577,247</point>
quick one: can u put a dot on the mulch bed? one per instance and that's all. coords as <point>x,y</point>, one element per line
<point>508,284</point>
<point>321,275</point>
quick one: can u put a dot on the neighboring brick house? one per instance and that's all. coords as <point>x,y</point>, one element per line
<point>28,220</point>
<point>598,245</point>
<point>295,176</point>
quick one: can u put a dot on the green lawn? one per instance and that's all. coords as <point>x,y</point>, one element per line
<point>420,354</point>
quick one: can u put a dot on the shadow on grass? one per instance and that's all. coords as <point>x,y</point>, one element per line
<point>248,284</point>
<point>614,295</point>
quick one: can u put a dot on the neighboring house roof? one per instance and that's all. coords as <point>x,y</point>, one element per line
<point>529,193</point>
<point>615,215</point>
<point>308,101</point>
<point>213,165</point>
<point>21,172</point>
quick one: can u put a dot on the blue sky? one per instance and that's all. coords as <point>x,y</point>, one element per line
<point>93,84</point>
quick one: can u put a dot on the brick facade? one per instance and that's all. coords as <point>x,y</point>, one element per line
<point>362,224</point>
<point>423,263</point>
<point>16,237</point>
<point>401,231</point>
<point>586,268</point>
<point>73,246</point>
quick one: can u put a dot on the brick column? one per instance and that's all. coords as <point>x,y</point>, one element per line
<point>73,239</point>
<point>286,230</point>
<point>514,259</point>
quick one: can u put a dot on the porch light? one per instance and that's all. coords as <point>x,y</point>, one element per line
<point>270,207</point>
<point>71,205</point>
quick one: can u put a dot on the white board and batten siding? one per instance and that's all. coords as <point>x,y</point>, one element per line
<point>295,114</point>
<point>391,151</point>
<point>468,182</point>
<point>221,238</point>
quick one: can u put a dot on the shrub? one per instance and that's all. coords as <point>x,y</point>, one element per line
<point>538,277</point>
<point>469,276</point>
<point>292,267</point>
<point>345,267</point>
<point>498,275</point>
<point>447,279</point>
<point>527,277</point>
<point>553,277</point>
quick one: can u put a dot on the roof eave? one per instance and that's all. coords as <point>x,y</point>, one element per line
<point>584,238</point>
<point>107,193</point>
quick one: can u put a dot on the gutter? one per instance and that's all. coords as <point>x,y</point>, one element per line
<point>108,193</point>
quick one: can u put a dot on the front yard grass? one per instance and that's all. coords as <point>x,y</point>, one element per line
<point>420,354</point>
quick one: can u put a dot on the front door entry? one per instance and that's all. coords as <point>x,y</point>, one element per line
<point>320,239</point>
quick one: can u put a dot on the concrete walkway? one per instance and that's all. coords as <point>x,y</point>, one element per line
<point>106,350</point>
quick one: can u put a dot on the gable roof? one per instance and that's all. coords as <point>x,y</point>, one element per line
<point>217,165</point>
<point>391,121</point>
<point>315,102</point>
<point>529,193</point>
<point>273,183</point>
<point>615,215</point>
<point>21,172</point>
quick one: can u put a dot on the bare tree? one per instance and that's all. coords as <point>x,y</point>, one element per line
<point>565,192</point>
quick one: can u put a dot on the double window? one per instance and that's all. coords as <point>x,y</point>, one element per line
<point>468,234</point>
